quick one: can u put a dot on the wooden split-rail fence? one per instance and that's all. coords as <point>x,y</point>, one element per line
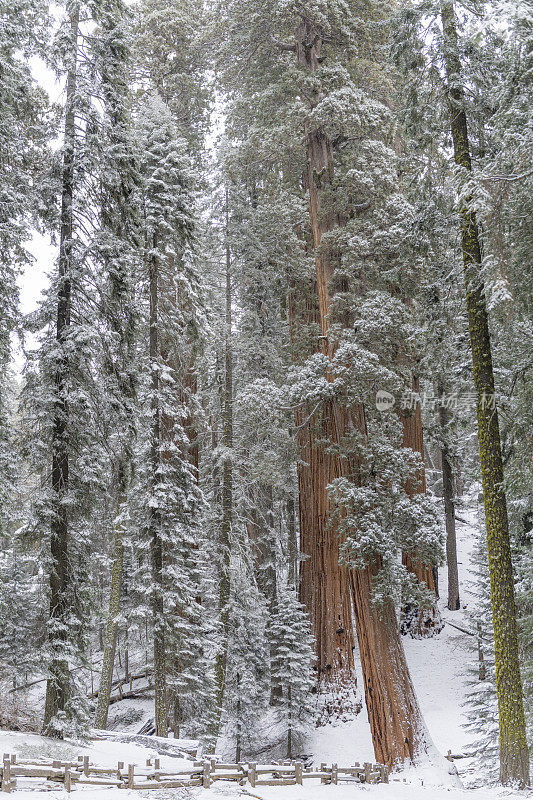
<point>31,774</point>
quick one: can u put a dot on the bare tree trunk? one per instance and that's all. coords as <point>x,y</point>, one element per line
<point>398,731</point>
<point>289,723</point>
<point>427,621</point>
<point>292,543</point>
<point>238,741</point>
<point>108,662</point>
<point>514,756</point>
<point>324,582</point>
<point>176,716</point>
<point>57,685</point>
<point>454,603</point>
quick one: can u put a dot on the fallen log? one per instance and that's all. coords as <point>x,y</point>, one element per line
<point>132,693</point>
<point>176,748</point>
<point>122,681</point>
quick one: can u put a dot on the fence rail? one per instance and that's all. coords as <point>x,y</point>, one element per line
<point>82,772</point>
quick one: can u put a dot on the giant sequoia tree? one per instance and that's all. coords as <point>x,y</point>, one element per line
<point>203,436</point>
<point>391,703</point>
<point>319,92</point>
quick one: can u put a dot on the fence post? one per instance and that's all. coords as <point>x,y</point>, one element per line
<point>206,780</point>
<point>252,775</point>
<point>334,773</point>
<point>384,773</point>
<point>131,775</point>
<point>298,769</point>
<point>86,766</point>
<point>323,768</point>
<point>120,767</point>
<point>6,774</point>
<point>67,778</point>
<point>367,767</point>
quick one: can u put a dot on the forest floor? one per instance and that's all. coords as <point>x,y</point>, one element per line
<point>440,671</point>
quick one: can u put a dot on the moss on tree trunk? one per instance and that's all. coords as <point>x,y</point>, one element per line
<point>514,757</point>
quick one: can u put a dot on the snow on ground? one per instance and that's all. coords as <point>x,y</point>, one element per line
<point>438,668</point>
<point>439,671</point>
<point>398,790</point>
<point>103,752</point>
<point>410,789</point>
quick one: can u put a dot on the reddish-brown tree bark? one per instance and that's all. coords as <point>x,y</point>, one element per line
<point>324,584</point>
<point>396,723</point>
<point>427,621</point>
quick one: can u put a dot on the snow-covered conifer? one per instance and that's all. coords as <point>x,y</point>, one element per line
<point>291,667</point>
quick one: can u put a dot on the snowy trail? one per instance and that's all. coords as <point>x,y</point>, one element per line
<point>410,790</point>
<point>438,667</point>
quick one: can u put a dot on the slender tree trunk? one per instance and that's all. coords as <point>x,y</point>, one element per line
<point>227,490</point>
<point>108,662</point>
<point>398,731</point>
<point>454,603</point>
<point>514,756</point>
<point>238,737</point>
<point>176,716</point>
<point>482,669</point>
<point>292,543</point>
<point>126,654</point>
<point>262,536</point>
<point>156,544</point>
<point>427,621</point>
<point>289,723</point>
<point>57,686</point>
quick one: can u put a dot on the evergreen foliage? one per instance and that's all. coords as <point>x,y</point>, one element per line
<point>195,428</point>
<point>291,667</point>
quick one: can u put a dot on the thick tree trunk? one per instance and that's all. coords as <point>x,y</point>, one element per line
<point>57,686</point>
<point>398,731</point>
<point>324,582</point>
<point>156,544</point>
<point>514,756</point>
<point>397,727</point>
<point>324,586</point>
